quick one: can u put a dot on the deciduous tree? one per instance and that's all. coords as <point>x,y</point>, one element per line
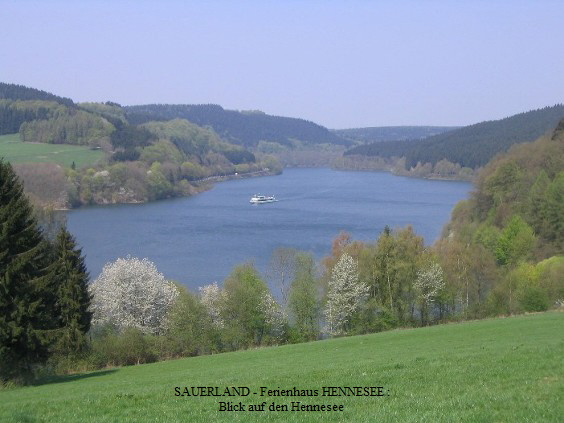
<point>303,302</point>
<point>429,283</point>
<point>516,242</point>
<point>243,310</point>
<point>276,320</point>
<point>345,295</point>
<point>282,270</point>
<point>190,327</point>
<point>132,293</point>
<point>212,298</point>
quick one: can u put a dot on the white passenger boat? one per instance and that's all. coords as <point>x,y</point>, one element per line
<point>260,199</point>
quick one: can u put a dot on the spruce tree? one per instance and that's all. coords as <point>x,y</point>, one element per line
<point>26,300</point>
<point>70,279</point>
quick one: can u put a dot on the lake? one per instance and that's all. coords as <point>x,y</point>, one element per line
<point>200,239</point>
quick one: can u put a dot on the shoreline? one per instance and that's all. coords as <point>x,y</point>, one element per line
<point>199,186</point>
<point>205,184</point>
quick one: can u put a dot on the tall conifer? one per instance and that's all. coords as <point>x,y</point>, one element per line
<point>70,279</point>
<point>26,303</point>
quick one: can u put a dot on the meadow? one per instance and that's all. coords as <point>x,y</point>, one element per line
<point>496,370</point>
<point>15,151</point>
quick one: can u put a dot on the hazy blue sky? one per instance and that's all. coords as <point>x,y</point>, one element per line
<point>338,63</point>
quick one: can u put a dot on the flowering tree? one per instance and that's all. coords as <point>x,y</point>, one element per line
<point>245,309</point>
<point>211,296</point>
<point>345,295</point>
<point>430,280</point>
<point>274,316</point>
<point>131,293</point>
<point>282,270</point>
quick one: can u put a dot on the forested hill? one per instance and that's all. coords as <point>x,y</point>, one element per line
<point>19,104</point>
<point>391,133</point>
<point>20,92</point>
<point>471,146</point>
<point>139,162</point>
<point>245,128</point>
<point>517,208</point>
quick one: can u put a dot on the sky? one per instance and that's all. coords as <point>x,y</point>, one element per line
<point>341,64</point>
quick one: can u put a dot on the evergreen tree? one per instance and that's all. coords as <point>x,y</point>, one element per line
<point>70,278</point>
<point>26,300</point>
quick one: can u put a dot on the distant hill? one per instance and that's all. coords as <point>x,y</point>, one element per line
<point>20,92</point>
<point>239,127</point>
<point>19,104</point>
<point>391,133</point>
<point>471,146</point>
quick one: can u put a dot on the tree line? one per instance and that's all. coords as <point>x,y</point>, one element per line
<point>391,133</point>
<point>21,92</point>
<point>14,113</point>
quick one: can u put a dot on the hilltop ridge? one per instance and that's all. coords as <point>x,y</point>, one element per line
<point>470,146</point>
<point>245,128</point>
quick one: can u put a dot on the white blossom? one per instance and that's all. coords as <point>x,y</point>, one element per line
<point>274,315</point>
<point>132,293</point>
<point>345,295</point>
<point>430,281</point>
<point>212,298</point>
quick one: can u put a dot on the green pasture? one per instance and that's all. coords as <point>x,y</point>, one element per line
<point>498,370</point>
<point>15,151</point>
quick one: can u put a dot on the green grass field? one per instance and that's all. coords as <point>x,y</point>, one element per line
<point>499,370</point>
<point>15,151</point>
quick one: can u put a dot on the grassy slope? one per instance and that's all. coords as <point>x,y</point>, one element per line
<point>16,151</point>
<point>502,370</point>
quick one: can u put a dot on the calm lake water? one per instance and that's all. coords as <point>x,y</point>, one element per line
<point>198,240</point>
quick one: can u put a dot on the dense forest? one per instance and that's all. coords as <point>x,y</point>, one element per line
<point>391,133</point>
<point>471,146</point>
<point>19,104</point>
<point>246,128</point>
<point>20,92</point>
<point>517,209</point>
